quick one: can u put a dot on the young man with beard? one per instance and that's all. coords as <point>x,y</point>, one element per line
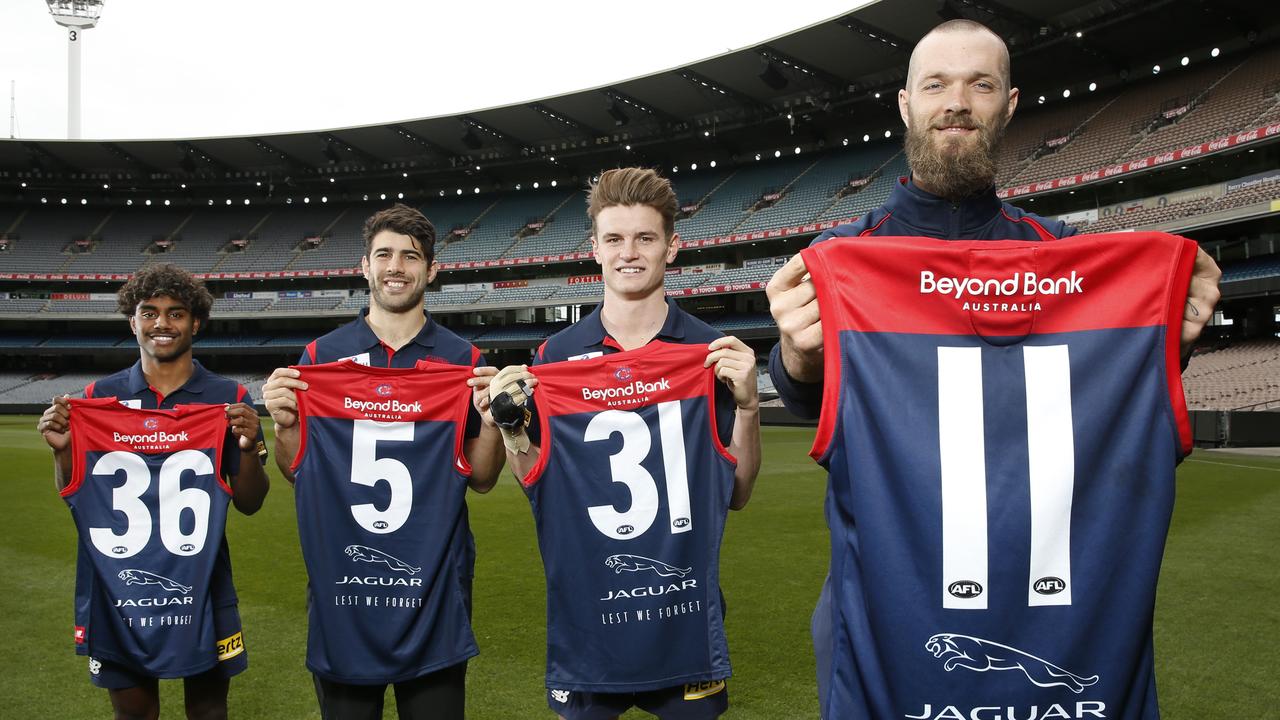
<point>633,238</point>
<point>956,104</point>
<point>166,307</point>
<point>395,331</point>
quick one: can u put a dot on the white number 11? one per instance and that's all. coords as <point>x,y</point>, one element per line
<point>1051,474</point>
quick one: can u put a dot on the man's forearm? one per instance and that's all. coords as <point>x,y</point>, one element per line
<point>801,398</point>
<point>486,456</point>
<point>250,484</point>
<point>746,448</point>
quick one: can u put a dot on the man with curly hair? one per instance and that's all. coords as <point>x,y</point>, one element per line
<point>166,307</point>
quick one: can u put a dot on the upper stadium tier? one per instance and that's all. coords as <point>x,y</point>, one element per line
<point>1099,90</point>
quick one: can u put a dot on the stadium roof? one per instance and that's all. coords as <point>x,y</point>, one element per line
<point>810,88</point>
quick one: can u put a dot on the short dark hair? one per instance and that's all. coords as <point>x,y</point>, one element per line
<point>403,220</point>
<point>170,281</point>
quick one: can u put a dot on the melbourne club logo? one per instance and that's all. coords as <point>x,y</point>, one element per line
<point>622,374</point>
<point>636,563</point>
<point>982,655</point>
<point>151,423</point>
<point>364,553</point>
<point>383,390</point>
<point>133,576</point>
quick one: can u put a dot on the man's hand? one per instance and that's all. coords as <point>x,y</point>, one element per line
<point>1202,296</point>
<point>736,367</point>
<point>55,424</point>
<point>794,306</point>
<point>506,383</point>
<point>480,392</point>
<point>279,394</point>
<point>244,422</point>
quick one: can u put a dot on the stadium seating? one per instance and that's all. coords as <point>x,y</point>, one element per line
<point>1245,375</point>
<point>814,191</point>
<point>495,232</point>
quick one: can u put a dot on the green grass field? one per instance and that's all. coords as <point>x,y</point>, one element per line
<point>1217,618</point>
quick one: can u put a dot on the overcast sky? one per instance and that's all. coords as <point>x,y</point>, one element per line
<point>181,68</point>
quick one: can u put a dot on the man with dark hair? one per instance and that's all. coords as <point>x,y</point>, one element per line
<point>956,104</point>
<point>395,331</point>
<point>633,237</point>
<point>166,307</point>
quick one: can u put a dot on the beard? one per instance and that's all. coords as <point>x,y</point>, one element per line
<point>955,169</point>
<point>401,304</point>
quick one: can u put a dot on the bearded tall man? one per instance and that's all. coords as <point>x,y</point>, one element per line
<point>957,101</point>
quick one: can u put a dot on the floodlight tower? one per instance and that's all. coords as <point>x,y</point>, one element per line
<point>76,16</point>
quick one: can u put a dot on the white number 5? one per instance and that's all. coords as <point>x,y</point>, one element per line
<point>367,469</point>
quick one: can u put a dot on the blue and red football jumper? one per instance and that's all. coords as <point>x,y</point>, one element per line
<point>629,497</point>
<point>1001,421</point>
<point>380,480</point>
<point>150,508</point>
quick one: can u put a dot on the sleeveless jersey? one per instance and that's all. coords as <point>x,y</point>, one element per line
<point>1001,421</point>
<point>629,498</point>
<point>380,483</point>
<point>150,509</point>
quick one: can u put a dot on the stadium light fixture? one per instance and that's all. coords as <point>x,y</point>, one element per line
<point>399,196</point>
<point>44,201</point>
<point>330,180</point>
<point>475,191</point>
<point>777,153</point>
<point>407,174</point>
<point>184,185</point>
<point>305,200</point>
<point>693,166</point>
<point>713,162</point>
<point>797,150</point>
<point>554,183</point>
<point>76,16</point>
<point>877,96</point>
<point>104,186</point>
<point>228,201</point>
<point>166,203</point>
<point>129,201</point>
<point>757,156</point>
<point>845,142</point>
<point>1155,69</point>
<point>83,201</point>
<point>1040,99</point>
<point>1093,86</point>
<point>789,116</point>
<point>323,199</point>
<point>628,148</point>
<point>866,138</point>
<point>1185,61</point>
<point>382,196</point>
<point>1215,52</point>
<point>211,200</point>
<point>246,201</point>
<point>517,187</point>
<point>64,201</point>
<point>706,133</point>
<point>1066,93</point>
<point>1079,34</point>
<point>259,183</point>
<point>888,133</point>
<point>458,191</point>
<point>149,202</point>
<point>535,184</point>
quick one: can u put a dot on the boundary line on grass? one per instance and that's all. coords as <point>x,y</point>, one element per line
<point>1249,467</point>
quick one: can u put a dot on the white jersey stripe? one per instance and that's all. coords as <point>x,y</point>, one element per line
<point>962,450</point>
<point>1051,461</point>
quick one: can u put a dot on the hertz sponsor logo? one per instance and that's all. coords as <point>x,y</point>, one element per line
<point>230,647</point>
<point>1019,284</point>
<point>639,387</point>
<point>699,690</point>
<point>150,438</point>
<point>381,406</point>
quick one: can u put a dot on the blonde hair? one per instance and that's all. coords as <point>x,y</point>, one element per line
<point>633,186</point>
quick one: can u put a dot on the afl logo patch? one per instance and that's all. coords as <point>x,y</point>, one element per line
<point>622,374</point>
<point>965,589</point>
<point>383,390</point>
<point>151,423</point>
<point>1049,586</point>
<point>625,529</point>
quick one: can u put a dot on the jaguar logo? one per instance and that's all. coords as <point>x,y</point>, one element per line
<point>971,653</point>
